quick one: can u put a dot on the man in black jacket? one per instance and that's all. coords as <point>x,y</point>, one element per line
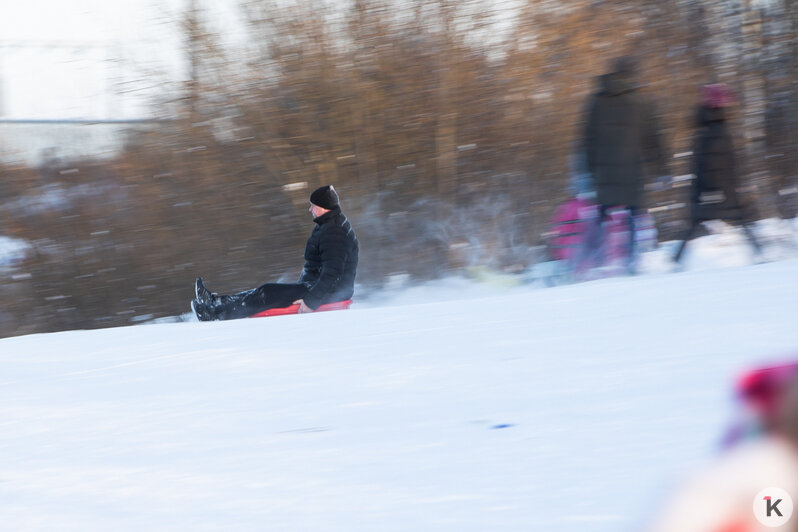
<point>621,142</point>
<point>331,256</point>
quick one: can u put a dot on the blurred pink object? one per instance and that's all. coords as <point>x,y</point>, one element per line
<point>569,228</point>
<point>576,218</point>
<point>764,389</point>
<point>761,393</point>
<point>570,225</point>
<point>716,95</point>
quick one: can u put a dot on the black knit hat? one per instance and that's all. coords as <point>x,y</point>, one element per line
<point>325,197</point>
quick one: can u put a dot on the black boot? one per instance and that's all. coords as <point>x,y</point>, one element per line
<point>204,295</point>
<point>204,311</point>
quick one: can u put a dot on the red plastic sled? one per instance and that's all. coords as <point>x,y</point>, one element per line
<point>293,309</point>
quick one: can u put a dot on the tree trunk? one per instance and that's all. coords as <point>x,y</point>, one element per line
<point>754,108</point>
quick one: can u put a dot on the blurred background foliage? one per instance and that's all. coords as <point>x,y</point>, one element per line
<point>451,134</point>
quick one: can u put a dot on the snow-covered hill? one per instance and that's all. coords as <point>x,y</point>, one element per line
<point>520,409</point>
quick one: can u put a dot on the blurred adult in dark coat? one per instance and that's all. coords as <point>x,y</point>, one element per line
<point>714,195</point>
<point>622,144</point>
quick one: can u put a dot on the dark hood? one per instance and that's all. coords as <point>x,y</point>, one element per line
<point>618,83</point>
<point>707,115</point>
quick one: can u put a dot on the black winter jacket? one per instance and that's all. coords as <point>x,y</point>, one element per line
<point>714,194</point>
<point>621,141</point>
<point>331,256</point>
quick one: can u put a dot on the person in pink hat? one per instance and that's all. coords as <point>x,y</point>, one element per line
<point>713,195</point>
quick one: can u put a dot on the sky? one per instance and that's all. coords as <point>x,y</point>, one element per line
<point>96,59</point>
<point>452,407</point>
<point>85,58</point>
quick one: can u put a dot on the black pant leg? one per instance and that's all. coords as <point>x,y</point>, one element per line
<point>688,235</point>
<point>264,297</point>
<point>592,249</point>
<point>752,239</point>
<point>631,257</point>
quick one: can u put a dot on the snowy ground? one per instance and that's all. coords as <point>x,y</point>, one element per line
<point>455,409</point>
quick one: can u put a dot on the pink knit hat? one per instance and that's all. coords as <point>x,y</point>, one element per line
<point>716,95</point>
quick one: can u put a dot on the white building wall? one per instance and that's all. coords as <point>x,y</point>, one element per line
<point>33,141</point>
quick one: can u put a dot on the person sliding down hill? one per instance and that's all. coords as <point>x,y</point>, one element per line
<point>331,256</point>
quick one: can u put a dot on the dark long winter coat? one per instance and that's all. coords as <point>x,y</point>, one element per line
<point>714,194</point>
<point>331,256</point>
<point>621,142</point>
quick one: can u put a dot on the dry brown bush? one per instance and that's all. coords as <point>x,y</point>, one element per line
<point>449,143</point>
